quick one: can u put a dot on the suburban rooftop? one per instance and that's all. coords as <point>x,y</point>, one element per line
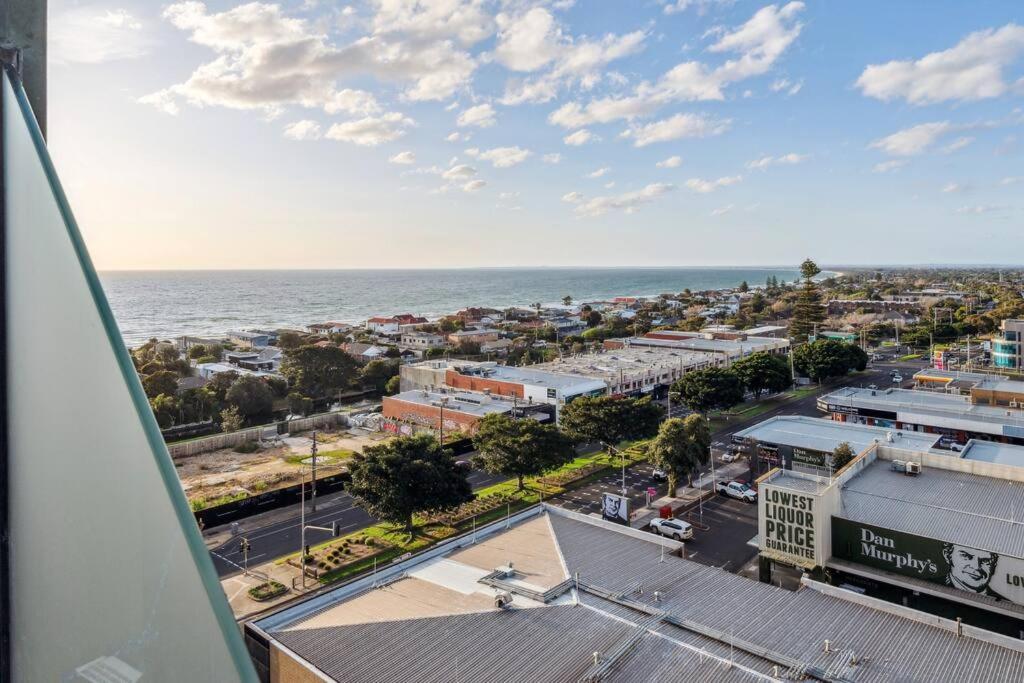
<point>595,600</point>
<point>823,434</point>
<point>469,402</point>
<point>939,405</point>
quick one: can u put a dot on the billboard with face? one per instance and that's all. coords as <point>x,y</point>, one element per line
<point>959,566</point>
<point>615,508</point>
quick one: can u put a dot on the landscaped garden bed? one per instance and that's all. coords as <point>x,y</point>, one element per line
<point>267,591</point>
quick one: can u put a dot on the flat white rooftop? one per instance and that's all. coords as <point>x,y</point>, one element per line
<point>823,434</point>
<point>998,453</point>
<point>928,407</point>
<point>469,402</point>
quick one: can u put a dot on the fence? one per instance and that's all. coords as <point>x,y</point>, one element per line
<point>186,449</point>
<point>271,500</point>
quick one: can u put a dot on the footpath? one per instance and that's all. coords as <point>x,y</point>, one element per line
<point>689,497</point>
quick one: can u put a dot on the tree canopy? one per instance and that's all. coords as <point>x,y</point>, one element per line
<point>251,396</point>
<point>760,372</point>
<point>609,420</point>
<point>808,309</point>
<point>520,448</point>
<point>841,456</point>
<point>709,389</point>
<point>825,359</point>
<point>681,448</point>
<point>318,371</point>
<point>411,474</point>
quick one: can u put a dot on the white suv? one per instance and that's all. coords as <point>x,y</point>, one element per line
<point>673,528</point>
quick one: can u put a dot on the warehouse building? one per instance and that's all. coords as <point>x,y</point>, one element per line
<point>956,417</point>
<point>454,410</point>
<point>725,348</point>
<point>633,371</point>
<point>932,532</point>
<point>806,443</point>
<point>550,595</point>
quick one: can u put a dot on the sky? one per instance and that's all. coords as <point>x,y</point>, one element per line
<point>463,133</point>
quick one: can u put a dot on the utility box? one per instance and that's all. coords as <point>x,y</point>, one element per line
<point>665,512</point>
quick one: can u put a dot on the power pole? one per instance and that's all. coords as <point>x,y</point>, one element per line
<point>312,490</point>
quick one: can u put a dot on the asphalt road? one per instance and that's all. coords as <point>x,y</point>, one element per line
<point>723,526</point>
<point>283,537</point>
<point>728,547</point>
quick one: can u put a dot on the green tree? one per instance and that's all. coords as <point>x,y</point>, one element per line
<point>401,477</point>
<point>567,300</point>
<point>289,340</point>
<point>160,382</point>
<point>376,374</point>
<point>251,397</point>
<point>841,456</point>
<point>609,420</point>
<point>165,409</point>
<point>681,448</point>
<point>197,351</point>
<point>520,448</point>
<point>709,389</point>
<point>825,359</point>
<point>744,287</point>
<point>762,372</point>
<point>231,420</point>
<point>220,383</point>
<point>299,404</point>
<point>807,311</point>
<point>594,318</point>
<point>278,386</point>
<point>319,371</point>
<point>393,386</point>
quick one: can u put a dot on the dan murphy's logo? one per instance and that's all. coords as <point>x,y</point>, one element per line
<point>883,549</point>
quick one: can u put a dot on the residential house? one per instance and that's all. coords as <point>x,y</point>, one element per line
<point>382,325</point>
<point>330,328</point>
<point>421,341</point>
<point>473,336</point>
<point>364,352</point>
<point>249,340</point>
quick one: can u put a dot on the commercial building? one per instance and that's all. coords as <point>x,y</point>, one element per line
<point>550,595</point>
<point>806,443</point>
<point>634,370</point>
<point>727,348</point>
<point>478,336</point>
<point>455,410</point>
<point>928,531</point>
<point>421,341</point>
<point>529,385</point>
<point>952,415</point>
<point>1007,348</point>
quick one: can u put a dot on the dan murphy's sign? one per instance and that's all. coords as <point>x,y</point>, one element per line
<point>789,526</point>
<point>959,566</point>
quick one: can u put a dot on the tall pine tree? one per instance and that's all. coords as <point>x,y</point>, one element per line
<point>808,309</point>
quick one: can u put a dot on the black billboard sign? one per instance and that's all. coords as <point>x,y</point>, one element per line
<point>963,567</point>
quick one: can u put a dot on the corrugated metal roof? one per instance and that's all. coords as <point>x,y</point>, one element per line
<point>823,434</point>
<point>958,507</point>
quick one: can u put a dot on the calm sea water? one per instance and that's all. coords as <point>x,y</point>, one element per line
<point>165,304</point>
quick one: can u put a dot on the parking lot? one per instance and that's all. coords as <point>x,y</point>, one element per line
<point>588,499</point>
<point>722,529</point>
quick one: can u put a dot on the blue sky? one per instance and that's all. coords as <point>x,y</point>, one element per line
<point>404,133</point>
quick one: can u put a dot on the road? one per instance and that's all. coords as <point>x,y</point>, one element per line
<point>280,534</point>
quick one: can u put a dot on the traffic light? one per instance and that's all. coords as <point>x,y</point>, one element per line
<point>243,546</point>
<point>307,549</point>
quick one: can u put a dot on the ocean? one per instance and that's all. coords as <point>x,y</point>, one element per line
<point>166,304</point>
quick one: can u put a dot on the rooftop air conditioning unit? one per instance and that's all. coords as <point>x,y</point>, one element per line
<point>506,571</point>
<point>913,469</point>
<point>899,466</point>
<point>502,600</point>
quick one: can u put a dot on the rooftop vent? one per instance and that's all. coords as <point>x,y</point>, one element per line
<point>502,600</point>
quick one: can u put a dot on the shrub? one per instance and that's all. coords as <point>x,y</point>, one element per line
<point>247,447</point>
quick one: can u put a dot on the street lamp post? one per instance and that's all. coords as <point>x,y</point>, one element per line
<point>312,488</point>
<point>440,424</point>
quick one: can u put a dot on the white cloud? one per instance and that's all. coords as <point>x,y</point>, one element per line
<point>958,144</point>
<point>671,162</point>
<point>454,137</point>
<point>970,70</point>
<point>87,35</point>
<point>265,59</point>
<point>403,158</point>
<point>609,185</point>
<point>785,159</point>
<point>572,197</point>
<point>302,130</point>
<point>674,128</point>
<point>464,20</point>
<point>348,101</point>
<point>785,85</point>
<point>702,5</point>
<point>914,140</point>
<point>162,100</point>
<point>954,187</point>
<point>482,115</point>
<point>474,185</point>
<point>721,211</point>
<point>1011,180</point>
<point>888,166</point>
<point>552,158</point>
<point>603,171</point>
<point>371,131</point>
<point>533,40</point>
<point>459,172</point>
<point>757,45</point>
<point>705,186</point>
<point>628,201</point>
<point>580,137</point>
<point>504,157</point>
<point>978,209</point>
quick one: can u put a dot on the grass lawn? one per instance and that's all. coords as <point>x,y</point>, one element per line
<point>322,457</point>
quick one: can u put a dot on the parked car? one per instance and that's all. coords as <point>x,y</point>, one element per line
<point>872,386</point>
<point>956,447</point>
<point>673,528</point>
<point>738,490</point>
<point>897,379</point>
<point>731,455</point>
<point>659,475</point>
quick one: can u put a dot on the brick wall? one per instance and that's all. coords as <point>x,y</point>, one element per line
<point>473,383</point>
